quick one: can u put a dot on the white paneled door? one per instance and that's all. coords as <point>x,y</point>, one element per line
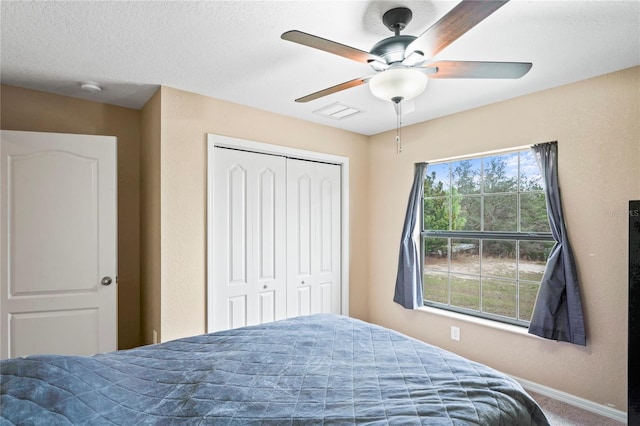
<point>249,251</point>
<point>58,244</point>
<point>276,231</point>
<point>313,238</point>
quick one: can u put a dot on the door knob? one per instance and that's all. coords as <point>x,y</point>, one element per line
<point>106,281</point>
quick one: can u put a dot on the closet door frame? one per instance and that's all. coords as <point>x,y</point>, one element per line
<point>213,141</point>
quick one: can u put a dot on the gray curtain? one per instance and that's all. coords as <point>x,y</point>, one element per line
<point>408,291</point>
<point>557,314</point>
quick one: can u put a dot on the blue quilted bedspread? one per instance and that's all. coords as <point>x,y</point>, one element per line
<point>319,369</point>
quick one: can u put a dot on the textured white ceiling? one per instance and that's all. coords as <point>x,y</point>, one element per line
<point>232,50</point>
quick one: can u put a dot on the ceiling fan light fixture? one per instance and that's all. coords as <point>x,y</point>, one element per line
<point>398,83</point>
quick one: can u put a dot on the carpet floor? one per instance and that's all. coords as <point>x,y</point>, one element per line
<point>562,414</point>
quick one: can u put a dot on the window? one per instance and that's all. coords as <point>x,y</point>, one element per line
<point>485,236</point>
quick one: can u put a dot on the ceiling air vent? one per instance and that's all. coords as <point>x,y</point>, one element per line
<point>337,111</point>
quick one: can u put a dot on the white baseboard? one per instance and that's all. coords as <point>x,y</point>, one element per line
<point>576,401</point>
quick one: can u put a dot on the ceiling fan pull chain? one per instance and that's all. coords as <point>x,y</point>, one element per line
<point>398,127</point>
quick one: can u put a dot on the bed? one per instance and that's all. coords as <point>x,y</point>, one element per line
<point>319,369</point>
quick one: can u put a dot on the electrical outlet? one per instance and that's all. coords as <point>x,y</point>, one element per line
<point>155,337</point>
<point>455,333</point>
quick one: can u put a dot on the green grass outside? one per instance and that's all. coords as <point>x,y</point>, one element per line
<point>499,297</point>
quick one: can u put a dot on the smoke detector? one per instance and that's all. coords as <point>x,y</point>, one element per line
<point>91,87</point>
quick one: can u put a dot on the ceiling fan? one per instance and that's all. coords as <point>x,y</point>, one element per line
<point>402,62</point>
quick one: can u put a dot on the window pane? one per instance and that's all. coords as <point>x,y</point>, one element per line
<point>533,213</point>
<point>499,258</point>
<point>501,173</point>
<point>499,297</point>
<point>465,213</point>
<point>436,287</point>
<point>436,254</point>
<point>500,212</point>
<point>436,214</point>
<point>466,176</point>
<point>465,256</point>
<point>486,196</point>
<point>528,295</point>
<point>533,259</point>
<point>465,291</point>
<point>437,180</point>
<point>530,175</point>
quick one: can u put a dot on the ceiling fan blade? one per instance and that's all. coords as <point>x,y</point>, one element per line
<point>458,21</point>
<point>334,89</point>
<point>331,47</point>
<point>473,69</point>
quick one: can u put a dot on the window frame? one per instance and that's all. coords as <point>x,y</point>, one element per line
<point>481,235</point>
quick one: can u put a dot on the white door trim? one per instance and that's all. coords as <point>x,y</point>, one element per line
<point>265,148</point>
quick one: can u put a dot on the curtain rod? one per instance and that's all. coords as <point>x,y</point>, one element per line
<point>495,151</point>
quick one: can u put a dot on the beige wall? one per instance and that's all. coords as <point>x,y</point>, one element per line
<point>186,118</point>
<point>596,124</point>
<point>150,278</point>
<point>23,109</point>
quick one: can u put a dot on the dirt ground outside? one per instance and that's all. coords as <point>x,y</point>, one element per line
<point>494,285</point>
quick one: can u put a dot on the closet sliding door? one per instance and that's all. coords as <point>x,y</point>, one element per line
<point>313,238</point>
<point>275,249</point>
<point>249,251</point>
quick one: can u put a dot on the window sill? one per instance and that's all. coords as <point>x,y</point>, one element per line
<point>522,331</point>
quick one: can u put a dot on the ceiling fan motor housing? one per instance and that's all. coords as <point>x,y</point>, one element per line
<point>392,49</point>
